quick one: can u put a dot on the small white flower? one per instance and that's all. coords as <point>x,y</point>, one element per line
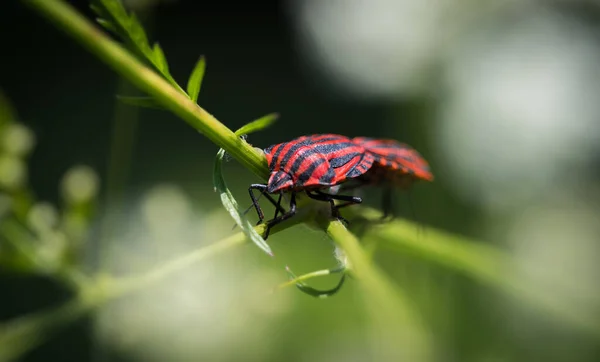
<point>80,184</point>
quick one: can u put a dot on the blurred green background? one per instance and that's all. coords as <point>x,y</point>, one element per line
<point>499,97</point>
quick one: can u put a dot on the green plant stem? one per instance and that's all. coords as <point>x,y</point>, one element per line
<point>24,333</point>
<point>113,54</point>
<point>304,277</point>
<point>25,244</point>
<point>398,328</point>
<point>129,284</point>
<point>476,260</point>
<point>122,145</point>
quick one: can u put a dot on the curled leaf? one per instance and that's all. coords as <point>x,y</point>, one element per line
<point>305,288</point>
<point>231,205</point>
<point>227,198</point>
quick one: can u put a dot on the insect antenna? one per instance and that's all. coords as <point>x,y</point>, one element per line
<point>246,211</point>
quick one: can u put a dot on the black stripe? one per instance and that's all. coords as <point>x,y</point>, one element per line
<point>354,173</point>
<point>286,158</point>
<point>327,178</point>
<point>375,149</point>
<point>333,147</point>
<point>276,155</point>
<point>342,160</point>
<point>299,160</point>
<point>362,167</point>
<point>306,175</point>
<point>357,171</point>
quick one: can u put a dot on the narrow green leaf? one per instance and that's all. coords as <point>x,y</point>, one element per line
<point>231,205</point>
<point>159,59</point>
<point>227,198</point>
<point>195,81</point>
<point>305,288</point>
<point>136,32</point>
<point>113,16</point>
<point>145,102</point>
<point>257,125</point>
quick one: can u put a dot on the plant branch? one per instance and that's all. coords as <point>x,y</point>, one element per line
<point>96,41</point>
<point>307,276</point>
<point>482,262</point>
<point>400,331</point>
<point>26,245</point>
<point>24,333</point>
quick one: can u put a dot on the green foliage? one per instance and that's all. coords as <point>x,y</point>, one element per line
<point>258,124</point>
<point>113,16</point>
<point>398,324</point>
<point>227,198</point>
<point>38,237</point>
<point>305,288</point>
<point>195,81</point>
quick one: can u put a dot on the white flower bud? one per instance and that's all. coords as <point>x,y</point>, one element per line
<point>13,172</point>
<point>80,184</point>
<point>42,217</point>
<point>18,140</point>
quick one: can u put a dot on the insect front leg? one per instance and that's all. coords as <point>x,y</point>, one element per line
<point>349,200</point>
<point>284,216</point>
<point>263,190</point>
<point>278,207</point>
<point>323,197</point>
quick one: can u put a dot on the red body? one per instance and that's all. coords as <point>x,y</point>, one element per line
<point>316,161</point>
<point>394,161</point>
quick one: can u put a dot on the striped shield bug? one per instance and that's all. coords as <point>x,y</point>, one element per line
<point>310,164</point>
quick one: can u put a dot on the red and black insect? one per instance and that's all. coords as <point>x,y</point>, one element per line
<point>396,165</point>
<point>311,164</point>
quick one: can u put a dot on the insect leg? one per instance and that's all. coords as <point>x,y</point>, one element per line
<point>262,188</point>
<point>321,196</point>
<point>278,207</point>
<point>350,200</point>
<point>284,216</point>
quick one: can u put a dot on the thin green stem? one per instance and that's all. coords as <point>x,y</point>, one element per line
<point>122,144</point>
<point>398,329</point>
<point>120,286</point>
<point>32,330</point>
<point>125,285</point>
<point>304,277</point>
<point>96,41</point>
<point>477,260</point>
<point>25,244</point>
